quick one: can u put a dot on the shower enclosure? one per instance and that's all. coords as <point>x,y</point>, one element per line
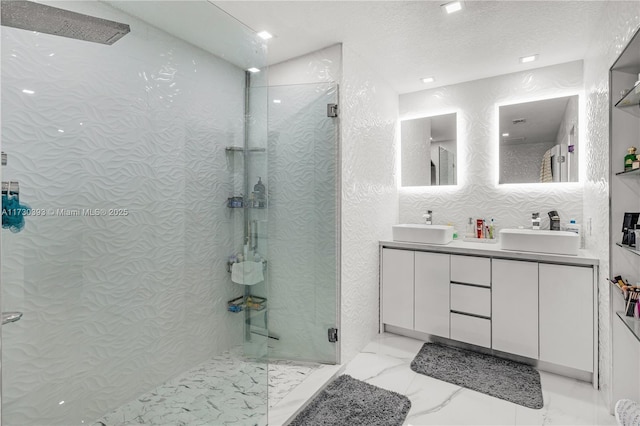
<point>138,165</point>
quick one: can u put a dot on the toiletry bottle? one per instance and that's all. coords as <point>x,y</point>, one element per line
<point>492,229</point>
<point>479,228</point>
<point>260,193</point>
<point>471,230</point>
<point>535,220</point>
<point>572,226</point>
<point>428,217</point>
<point>629,158</point>
<point>455,232</point>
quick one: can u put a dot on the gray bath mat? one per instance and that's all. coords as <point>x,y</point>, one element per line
<point>347,401</point>
<point>501,378</point>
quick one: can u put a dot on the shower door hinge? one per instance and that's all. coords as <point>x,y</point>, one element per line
<point>333,335</point>
<point>332,110</point>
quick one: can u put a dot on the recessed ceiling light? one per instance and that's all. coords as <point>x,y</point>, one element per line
<point>253,69</point>
<point>428,79</point>
<point>28,92</point>
<point>505,134</point>
<point>452,7</point>
<point>265,35</point>
<point>530,58</point>
<point>277,101</point>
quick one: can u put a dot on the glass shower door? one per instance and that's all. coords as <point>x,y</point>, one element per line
<point>303,228</point>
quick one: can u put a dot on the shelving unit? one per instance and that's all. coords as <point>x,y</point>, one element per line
<point>624,195</point>
<point>241,203</point>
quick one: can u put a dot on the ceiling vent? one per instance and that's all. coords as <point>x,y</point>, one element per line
<point>519,121</point>
<point>514,140</point>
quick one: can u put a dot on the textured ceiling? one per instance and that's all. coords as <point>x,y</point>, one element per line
<point>543,120</point>
<point>407,40</point>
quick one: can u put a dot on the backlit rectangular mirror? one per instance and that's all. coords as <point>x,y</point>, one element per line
<point>429,151</point>
<point>539,141</point>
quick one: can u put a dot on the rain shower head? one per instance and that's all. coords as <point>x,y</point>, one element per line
<point>39,17</point>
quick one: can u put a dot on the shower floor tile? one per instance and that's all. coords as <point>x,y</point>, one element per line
<point>226,389</point>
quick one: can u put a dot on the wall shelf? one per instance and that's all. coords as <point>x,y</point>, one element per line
<point>633,324</point>
<point>631,101</point>
<point>634,172</point>
<point>630,249</point>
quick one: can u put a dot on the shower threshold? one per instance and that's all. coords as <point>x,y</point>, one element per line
<point>227,389</point>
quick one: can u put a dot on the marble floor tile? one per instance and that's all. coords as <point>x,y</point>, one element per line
<point>287,408</point>
<point>386,371</point>
<point>385,362</point>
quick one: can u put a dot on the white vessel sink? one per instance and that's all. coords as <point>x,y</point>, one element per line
<point>424,234</point>
<point>541,241</point>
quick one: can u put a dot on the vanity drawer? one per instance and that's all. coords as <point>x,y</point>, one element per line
<point>474,330</point>
<point>471,270</point>
<point>471,300</point>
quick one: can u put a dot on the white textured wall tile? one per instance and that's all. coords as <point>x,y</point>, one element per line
<point>324,65</point>
<point>369,109</point>
<point>115,305</point>
<point>477,194</point>
<point>619,21</point>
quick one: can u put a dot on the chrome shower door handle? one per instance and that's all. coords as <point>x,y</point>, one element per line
<point>8,317</point>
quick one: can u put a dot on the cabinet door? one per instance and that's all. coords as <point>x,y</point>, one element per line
<point>514,318</point>
<point>397,288</point>
<point>566,315</point>
<point>432,293</point>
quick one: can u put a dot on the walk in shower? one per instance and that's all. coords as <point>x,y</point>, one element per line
<point>156,174</point>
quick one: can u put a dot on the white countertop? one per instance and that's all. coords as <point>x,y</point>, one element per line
<point>584,257</point>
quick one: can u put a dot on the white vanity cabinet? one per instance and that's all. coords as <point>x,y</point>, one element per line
<point>566,316</point>
<point>532,306</point>
<point>514,322</point>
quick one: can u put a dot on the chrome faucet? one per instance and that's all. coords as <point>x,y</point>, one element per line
<point>428,217</point>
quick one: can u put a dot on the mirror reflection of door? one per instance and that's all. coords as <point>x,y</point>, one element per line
<point>428,151</point>
<point>434,175</point>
